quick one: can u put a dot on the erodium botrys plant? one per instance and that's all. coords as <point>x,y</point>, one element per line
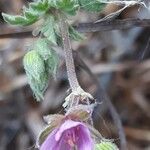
<point>73,130</point>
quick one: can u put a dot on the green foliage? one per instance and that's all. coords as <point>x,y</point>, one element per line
<point>91,5</point>
<point>39,87</point>
<point>18,20</point>
<point>106,145</point>
<point>35,69</point>
<point>67,6</point>
<point>52,63</point>
<point>34,64</point>
<point>39,6</point>
<point>42,46</point>
<point>48,29</point>
<point>50,57</point>
<point>42,61</point>
<point>75,35</point>
<point>30,14</point>
<point>39,64</point>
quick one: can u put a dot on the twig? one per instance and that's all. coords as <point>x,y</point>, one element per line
<point>113,25</point>
<point>146,49</point>
<point>105,97</point>
<point>138,134</point>
<point>106,25</point>
<point>141,101</point>
<point>17,35</point>
<point>68,54</point>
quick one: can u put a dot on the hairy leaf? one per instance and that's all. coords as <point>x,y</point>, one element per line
<point>43,47</point>
<point>38,86</point>
<point>34,64</point>
<point>68,6</point>
<point>48,29</point>
<point>52,63</point>
<point>37,76</point>
<point>94,5</point>
<point>75,35</point>
<point>40,6</point>
<point>106,145</point>
<point>18,20</point>
<point>30,15</point>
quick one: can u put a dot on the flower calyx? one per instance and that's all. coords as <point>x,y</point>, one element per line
<point>79,96</point>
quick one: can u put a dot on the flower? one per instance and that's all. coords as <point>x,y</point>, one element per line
<point>69,136</point>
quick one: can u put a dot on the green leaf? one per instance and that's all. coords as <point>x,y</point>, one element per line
<point>34,64</point>
<point>52,63</point>
<point>42,46</point>
<point>38,86</point>
<point>29,12</point>
<point>94,5</point>
<point>36,73</point>
<point>39,64</point>
<point>48,29</point>
<point>39,6</point>
<point>106,145</point>
<point>18,20</point>
<point>75,35</point>
<point>52,3</point>
<point>30,15</point>
<point>68,6</point>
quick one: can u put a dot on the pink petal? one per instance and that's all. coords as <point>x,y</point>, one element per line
<point>58,139</point>
<point>85,141</point>
<point>68,124</point>
<point>63,145</point>
<point>50,142</point>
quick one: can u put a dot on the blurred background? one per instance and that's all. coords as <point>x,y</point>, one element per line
<point>119,58</point>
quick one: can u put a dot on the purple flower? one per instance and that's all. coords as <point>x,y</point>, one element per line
<point>71,135</point>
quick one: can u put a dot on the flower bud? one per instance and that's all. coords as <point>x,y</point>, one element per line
<point>80,112</point>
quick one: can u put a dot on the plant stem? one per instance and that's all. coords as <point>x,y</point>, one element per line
<point>74,84</point>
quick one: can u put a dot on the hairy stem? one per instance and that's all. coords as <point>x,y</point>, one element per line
<point>74,84</point>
